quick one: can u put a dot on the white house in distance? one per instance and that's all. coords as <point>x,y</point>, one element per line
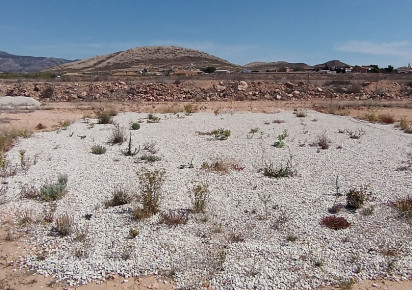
<point>405,69</point>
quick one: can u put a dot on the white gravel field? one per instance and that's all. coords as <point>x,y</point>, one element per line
<point>257,232</point>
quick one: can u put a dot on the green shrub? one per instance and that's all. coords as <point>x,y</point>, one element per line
<point>221,134</point>
<point>355,198</point>
<point>151,118</point>
<point>284,170</point>
<point>98,149</point>
<point>150,195</point>
<point>199,195</point>
<point>135,126</point>
<point>54,191</point>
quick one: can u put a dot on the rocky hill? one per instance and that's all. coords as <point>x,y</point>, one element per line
<point>148,57</point>
<point>18,64</point>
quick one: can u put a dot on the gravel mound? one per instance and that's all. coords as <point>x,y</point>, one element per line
<point>257,231</point>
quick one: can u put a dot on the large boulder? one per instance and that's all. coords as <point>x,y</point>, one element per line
<point>18,102</point>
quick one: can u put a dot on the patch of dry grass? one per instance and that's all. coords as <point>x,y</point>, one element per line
<point>8,137</point>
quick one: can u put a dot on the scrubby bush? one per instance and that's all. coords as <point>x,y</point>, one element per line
<point>54,191</point>
<point>47,92</point>
<point>221,134</point>
<point>404,206</point>
<point>150,195</point>
<point>284,170</point>
<point>118,135</point>
<point>356,197</point>
<point>104,117</point>
<point>64,225</point>
<point>199,194</point>
<point>98,149</point>
<point>119,197</point>
<point>386,119</point>
<point>135,126</point>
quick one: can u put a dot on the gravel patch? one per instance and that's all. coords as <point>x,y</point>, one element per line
<point>257,232</point>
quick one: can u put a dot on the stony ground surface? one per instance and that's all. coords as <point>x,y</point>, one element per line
<point>249,215</point>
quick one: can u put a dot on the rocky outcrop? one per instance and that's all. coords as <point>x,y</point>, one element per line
<point>195,91</point>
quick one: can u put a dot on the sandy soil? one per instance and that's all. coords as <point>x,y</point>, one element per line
<point>53,114</point>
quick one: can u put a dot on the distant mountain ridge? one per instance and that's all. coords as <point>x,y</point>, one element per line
<point>18,64</point>
<point>152,58</point>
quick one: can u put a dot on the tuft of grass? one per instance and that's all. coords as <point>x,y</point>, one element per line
<point>119,197</point>
<point>133,233</point>
<point>118,135</point>
<point>322,142</point>
<point>284,170</point>
<point>371,117</point>
<point>199,195</point>
<point>25,217</point>
<point>151,118</point>
<point>150,158</point>
<point>98,149</point>
<point>64,225</point>
<point>29,192</point>
<point>386,119</point>
<point>8,137</point>
<point>188,109</point>
<point>54,191</point>
<point>404,207</point>
<point>404,124</point>
<point>335,223</point>
<point>356,134</point>
<point>277,121</point>
<point>104,117</point>
<point>291,237</point>
<point>301,114</point>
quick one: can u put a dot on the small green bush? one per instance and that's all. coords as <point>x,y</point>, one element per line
<point>135,126</point>
<point>286,170</point>
<point>221,134</point>
<point>151,118</point>
<point>150,195</point>
<point>98,149</point>
<point>199,195</point>
<point>54,191</point>
<point>355,198</point>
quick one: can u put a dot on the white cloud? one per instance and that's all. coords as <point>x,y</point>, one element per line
<point>399,49</point>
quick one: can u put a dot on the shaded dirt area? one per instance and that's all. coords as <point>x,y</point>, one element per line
<point>52,115</point>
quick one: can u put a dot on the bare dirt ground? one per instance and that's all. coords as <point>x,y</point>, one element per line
<point>52,115</point>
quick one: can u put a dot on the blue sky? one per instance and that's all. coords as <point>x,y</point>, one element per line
<point>353,31</point>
